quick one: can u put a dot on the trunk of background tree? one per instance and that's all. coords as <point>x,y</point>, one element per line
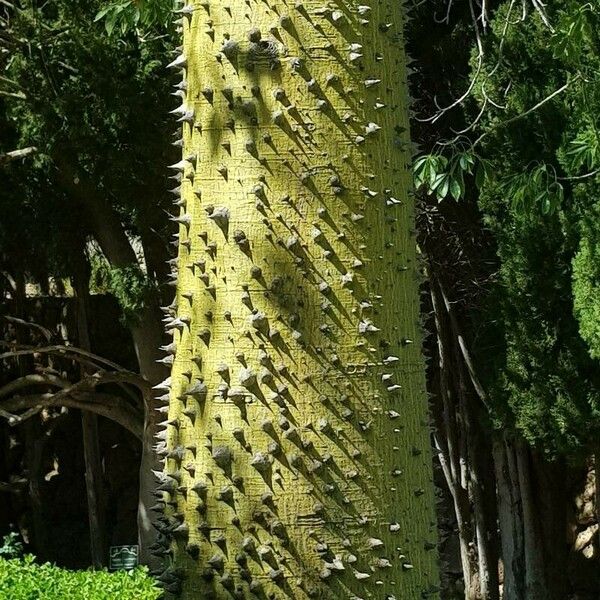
<point>33,442</point>
<point>532,521</point>
<point>146,332</point>
<point>510,518</point>
<point>298,458</point>
<point>89,424</point>
<point>483,495</point>
<point>464,452</point>
<point>597,492</point>
<point>448,436</point>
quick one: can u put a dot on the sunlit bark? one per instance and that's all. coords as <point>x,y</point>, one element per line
<point>297,446</point>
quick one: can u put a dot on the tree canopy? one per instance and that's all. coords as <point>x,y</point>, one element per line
<point>95,110</point>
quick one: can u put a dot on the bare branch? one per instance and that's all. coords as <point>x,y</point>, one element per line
<point>479,389</point>
<point>13,487</point>
<point>21,152</point>
<point>541,10</point>
<point>45,332</point>
<point>106,405</point>
<point>18,95</point>
<point>32,380</point>
<point>476,28</point>
<point>541,103</point>
<point>580,177</point>
<point>7,80</point>
<point>62,351</point>
<point>442,111</point>
<point>105,377</point>
<point>12,419</point>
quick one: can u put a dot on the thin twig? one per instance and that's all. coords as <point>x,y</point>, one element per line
<point>541,103</point>
<point>580,177</point>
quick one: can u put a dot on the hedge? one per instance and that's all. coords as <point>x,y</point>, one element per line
<point>24,579</point>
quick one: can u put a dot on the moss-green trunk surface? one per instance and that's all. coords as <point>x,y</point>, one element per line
<point>302,458</point>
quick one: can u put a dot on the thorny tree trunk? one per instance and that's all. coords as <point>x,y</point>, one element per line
<point>297,451</point>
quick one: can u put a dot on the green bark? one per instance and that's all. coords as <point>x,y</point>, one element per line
<point>298,457</point>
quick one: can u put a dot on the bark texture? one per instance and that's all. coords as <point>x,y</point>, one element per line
<point>297,445</point>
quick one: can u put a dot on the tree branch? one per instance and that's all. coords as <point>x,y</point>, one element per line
<point>21,152</point>
<point>106,405</point>
<point>61,350</point>
<point>479,389</point>
<point>541,103</point>
<point>45,332</point>
<point>32,380</point>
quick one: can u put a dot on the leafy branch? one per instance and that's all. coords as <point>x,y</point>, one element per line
<point>444,176</point>
<point>127,15</point>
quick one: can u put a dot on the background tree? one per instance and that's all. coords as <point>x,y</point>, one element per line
<point>91,197</point>
<point>518,142</point>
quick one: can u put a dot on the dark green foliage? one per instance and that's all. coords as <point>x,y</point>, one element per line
<point>544,218</point>
<point>528,148</point>
<point>586,273</point>
<point>129,285</point>
<point>123,16</point>
<point>95,107</point>
<point>26,580</point>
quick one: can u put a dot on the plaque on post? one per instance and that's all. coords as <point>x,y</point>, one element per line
<point>123,558</point>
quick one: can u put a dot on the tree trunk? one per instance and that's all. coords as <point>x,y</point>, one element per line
<point>447,434</point>
<point>34,443</point>
<point>510,519</point>
<point>146,333</point>
<point>93,483</point>
<point>532,519</point>
<point>535,584</point>
<point>299,455</point>
<point>89,426</point>
<point>550,505</point>
<point>597,493</point>
<point>482,492</point>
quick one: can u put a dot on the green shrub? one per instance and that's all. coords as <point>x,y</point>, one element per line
<point>23,579</point>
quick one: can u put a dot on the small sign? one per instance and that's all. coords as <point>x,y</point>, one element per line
<point>123,558</point>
